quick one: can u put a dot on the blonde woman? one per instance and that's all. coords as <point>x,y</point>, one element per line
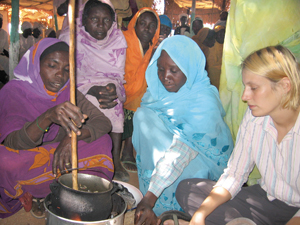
<point>269,137</point>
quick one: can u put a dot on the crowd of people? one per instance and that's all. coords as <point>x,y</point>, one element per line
<point>31,34</point>
<point>158,94</point>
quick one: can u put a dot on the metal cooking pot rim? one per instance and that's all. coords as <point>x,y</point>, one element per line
<point>80,175</point>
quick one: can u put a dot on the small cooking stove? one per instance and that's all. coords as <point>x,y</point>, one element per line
<point>55,216</point>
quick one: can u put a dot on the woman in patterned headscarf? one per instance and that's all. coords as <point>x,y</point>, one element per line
<point>100,66</point>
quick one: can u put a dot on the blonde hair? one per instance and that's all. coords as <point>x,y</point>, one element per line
<point>275,63</point>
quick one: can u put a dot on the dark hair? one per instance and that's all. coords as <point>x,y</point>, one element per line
<point>59,46</point>
<point>95,3</point>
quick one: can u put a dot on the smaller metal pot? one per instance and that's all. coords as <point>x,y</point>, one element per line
<point>92,202</point>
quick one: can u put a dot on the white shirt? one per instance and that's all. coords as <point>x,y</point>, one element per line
<point>278,164</point>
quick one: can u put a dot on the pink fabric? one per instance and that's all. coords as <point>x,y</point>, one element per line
<point>100,62</point>
<point>24,98</point>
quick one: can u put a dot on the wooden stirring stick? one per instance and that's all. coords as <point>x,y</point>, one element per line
<point>71,14</point>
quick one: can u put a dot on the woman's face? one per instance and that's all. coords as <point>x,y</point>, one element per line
<point>98,22</point>
<point>36,32</point>
<point>169,73</point>
<point>165,30</point>
<point>197,25</point>
<point>261,98</point>
<point>54,70</point>
<point>145,27</point>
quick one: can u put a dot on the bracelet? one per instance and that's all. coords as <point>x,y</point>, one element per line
<point>37,123</point>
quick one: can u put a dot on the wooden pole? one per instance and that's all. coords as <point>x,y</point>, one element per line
<point>14,39</point>
<point>193,13</point>
<point>55,17</point>
<point>71,14</point>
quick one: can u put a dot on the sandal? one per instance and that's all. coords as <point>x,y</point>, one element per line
<point>130,163</point>
<point>175,216</point>
<point>26,201</point>
<point>38,208</point>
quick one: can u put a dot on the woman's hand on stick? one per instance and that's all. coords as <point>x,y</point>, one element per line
<point>68,116</point>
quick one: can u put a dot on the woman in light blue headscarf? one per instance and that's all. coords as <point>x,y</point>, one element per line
<point>179,131</point>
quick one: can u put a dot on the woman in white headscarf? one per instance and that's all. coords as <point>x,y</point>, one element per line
<point>26,38</point>
<point>37,32</point>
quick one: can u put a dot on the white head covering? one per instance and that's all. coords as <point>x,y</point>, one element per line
<point>26,25</point>
<point>39,26</point>
<point>183,14</point>
<point>48,31</point>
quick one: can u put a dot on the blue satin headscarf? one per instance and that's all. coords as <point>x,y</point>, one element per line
<point>165,20</point>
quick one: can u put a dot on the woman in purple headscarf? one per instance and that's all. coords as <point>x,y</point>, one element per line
<point>35,127</point>
<point>100,67</point>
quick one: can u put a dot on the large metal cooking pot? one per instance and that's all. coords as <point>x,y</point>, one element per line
<point>91,202</point>
<point>118,210</point>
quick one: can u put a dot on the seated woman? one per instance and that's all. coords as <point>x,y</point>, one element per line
<point>37,31</point>
<point>142,36</point>
<point>269,138</point>
<point>101,51</point>
<point>179,131</point>
<point>35,127</point>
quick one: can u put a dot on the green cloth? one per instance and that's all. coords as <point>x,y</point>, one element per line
<point>252,25</point>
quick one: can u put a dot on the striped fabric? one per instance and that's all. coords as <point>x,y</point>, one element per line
<point>170,167</point>
<point>279,164</point>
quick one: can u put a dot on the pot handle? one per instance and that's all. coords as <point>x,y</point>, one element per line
<point>55,188</point>
<point>115,188</point>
